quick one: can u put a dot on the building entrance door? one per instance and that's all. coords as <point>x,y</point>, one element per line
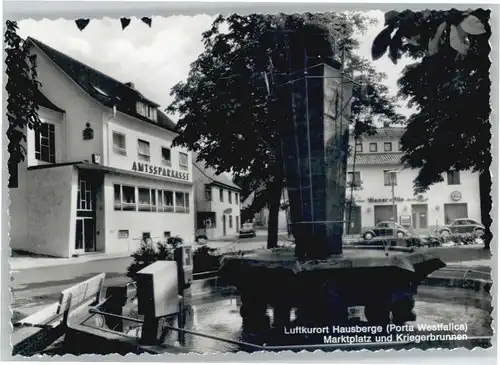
<point>419,216</point>
<point>223,224</point>
<point>454,211</point>
<point>85,233</point>
<point>384,213</point>
<point>237,224</point>
<point>355,221</point>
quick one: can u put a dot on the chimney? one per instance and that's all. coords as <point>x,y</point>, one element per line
<point>130,85</point>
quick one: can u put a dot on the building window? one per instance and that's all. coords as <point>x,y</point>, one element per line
<point>359,146</point>
<point>124,197</point>
<point>147,111</point>
<point>85,198</point>
<point>141,108</point>
<point>230,197</point>
<point>230,221</point>
<point>165,201</point>
<point>147,200</point>
<point>390,177</point>
<point>165,156</point>
<point>143,150</point>
<point>183,160</point>
<point>208,193</point>
<point>354,179</point>
<point>453,177</point>
<point>119,143</point>
<point>373,147</point>
<point>387,146</point>
<point>400,146</point>
<point>45,144</point>
<point>152,113</point>
<point>236,198</point>
<point>181,202</point>
<point>167,235</point>
<point>123,233</point>
<point>146,236</point>
<point>221,195</point>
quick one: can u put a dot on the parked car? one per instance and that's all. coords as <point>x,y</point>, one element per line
<point>384,229</point>
<point>247,230</point>
<point>461,226</point>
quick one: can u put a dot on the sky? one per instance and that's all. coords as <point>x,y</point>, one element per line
<point>157,58</point>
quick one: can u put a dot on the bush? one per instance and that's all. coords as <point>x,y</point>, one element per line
<point>460,239</point>
<point>149,252</point>
<point>404,242</point>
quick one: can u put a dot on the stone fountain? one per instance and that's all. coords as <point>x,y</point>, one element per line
<point>319,279</point>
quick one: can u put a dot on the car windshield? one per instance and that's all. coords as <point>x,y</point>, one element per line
<point>248,226</point>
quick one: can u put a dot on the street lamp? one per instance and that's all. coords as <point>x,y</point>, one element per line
<point>393,181</point>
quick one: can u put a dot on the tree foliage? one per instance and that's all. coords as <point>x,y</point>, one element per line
<point>148,253</point>
<point>22,87</point>
<point>449,87</point>
<point>449,84</point>
<point>229,109</point>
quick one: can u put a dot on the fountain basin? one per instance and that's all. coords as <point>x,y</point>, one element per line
<point>383,282</point>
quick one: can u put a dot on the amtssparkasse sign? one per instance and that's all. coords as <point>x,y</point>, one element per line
<point>159,171</point>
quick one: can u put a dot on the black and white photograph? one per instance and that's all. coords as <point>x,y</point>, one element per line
<point>251,182</point>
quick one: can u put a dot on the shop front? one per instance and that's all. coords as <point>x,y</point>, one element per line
<point>133,207</point>
<point>420,214</point>
<point>75,209</point>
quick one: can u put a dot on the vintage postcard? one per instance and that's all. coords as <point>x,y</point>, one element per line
<point>251,181</point>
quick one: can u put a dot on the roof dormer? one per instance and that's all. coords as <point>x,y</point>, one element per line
<point>147,111</point>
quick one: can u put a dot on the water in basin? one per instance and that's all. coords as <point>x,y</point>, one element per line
<point>221,318</point>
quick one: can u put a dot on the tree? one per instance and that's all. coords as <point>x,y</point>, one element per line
<point>449,84</point>
<point>229,107</point>
<point>22,87</point>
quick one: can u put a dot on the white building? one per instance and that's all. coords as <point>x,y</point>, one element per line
<point>100,174</point>
<point>217,201</point>
<point>456,197</point>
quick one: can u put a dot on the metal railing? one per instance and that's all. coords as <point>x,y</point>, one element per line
<point>205,275</point>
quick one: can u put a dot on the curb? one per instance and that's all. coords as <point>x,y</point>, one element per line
<point>16,267</point>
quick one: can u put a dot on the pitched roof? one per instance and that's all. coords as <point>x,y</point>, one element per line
<point>385,132</point>
<point>390,131</point>
<point>217,179</point>
<point>393,158</point>
<point>103,88</point>
<point>42,100</point>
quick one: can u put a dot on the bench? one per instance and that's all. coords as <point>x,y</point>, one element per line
<point>52,320</point>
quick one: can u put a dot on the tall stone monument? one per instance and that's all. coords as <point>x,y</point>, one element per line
<point>318,279</point>
<point>315,156</point>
